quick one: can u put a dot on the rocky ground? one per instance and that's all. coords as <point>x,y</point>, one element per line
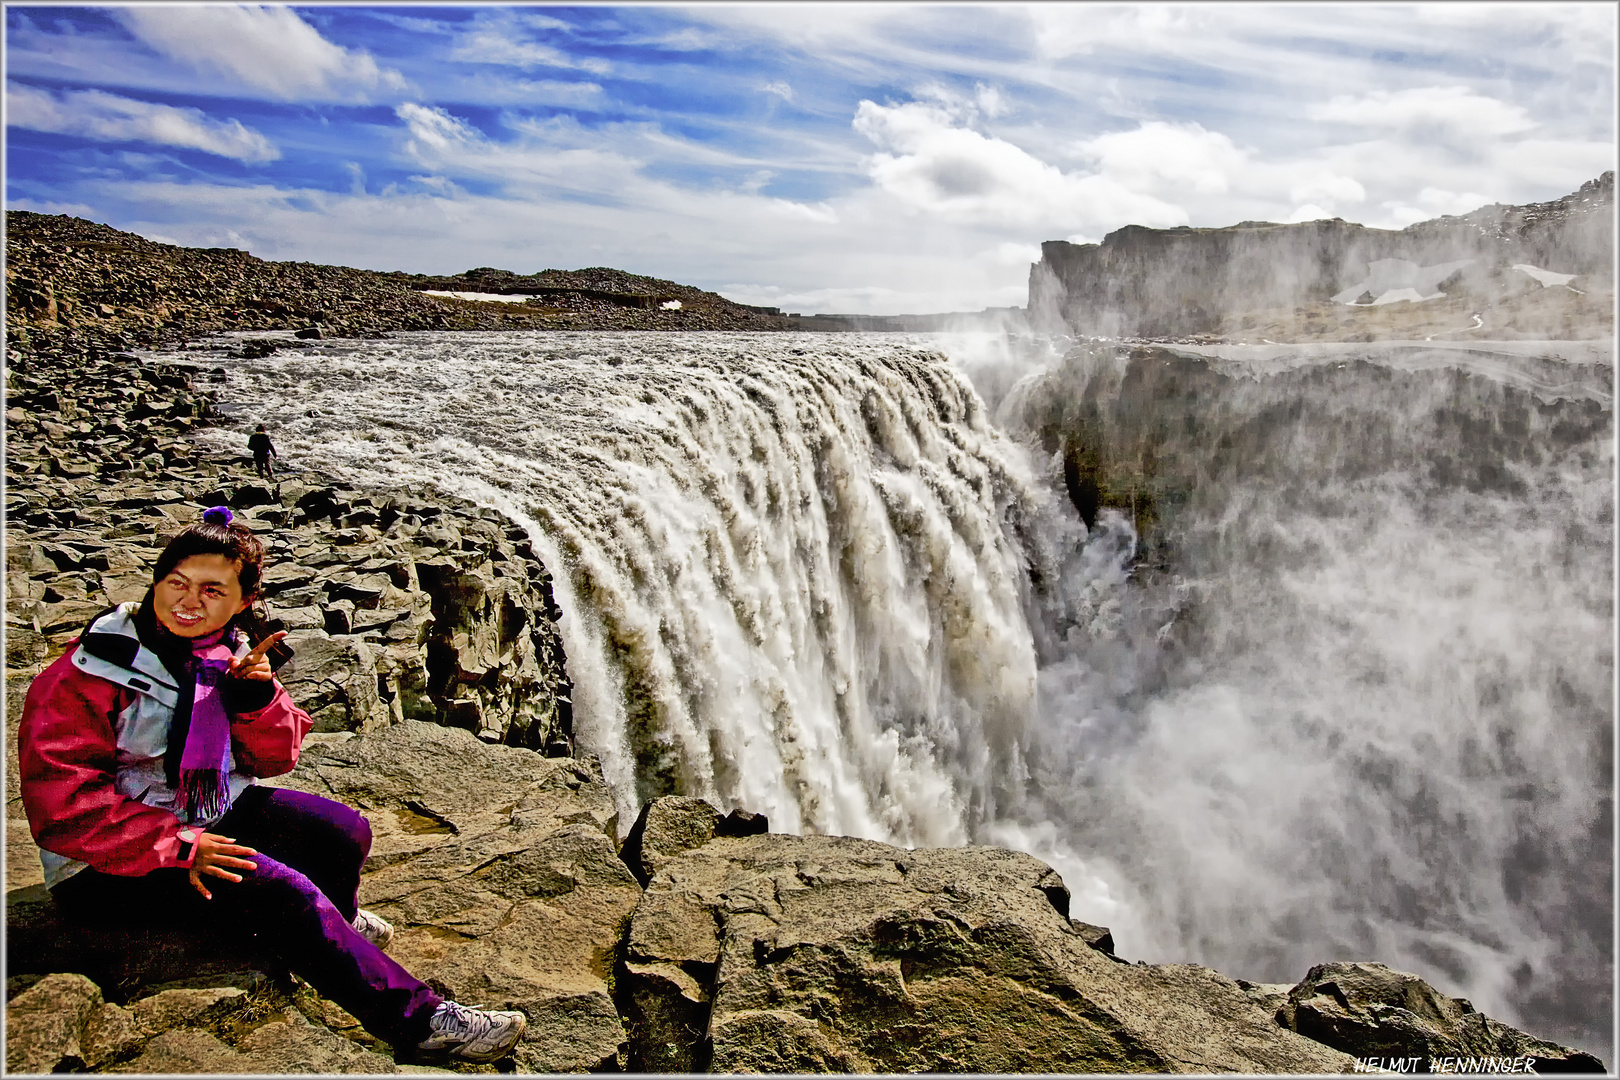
<point>64,273</point>
<point>712,947</point>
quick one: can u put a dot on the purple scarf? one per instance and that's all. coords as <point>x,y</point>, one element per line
<point>204,792</point>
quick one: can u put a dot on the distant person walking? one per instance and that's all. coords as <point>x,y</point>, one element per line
<point>263,451</point>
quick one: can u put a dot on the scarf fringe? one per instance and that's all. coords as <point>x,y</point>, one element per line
<point>204,793</point>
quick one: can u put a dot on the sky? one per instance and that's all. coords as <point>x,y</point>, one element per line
<point>875,158</point>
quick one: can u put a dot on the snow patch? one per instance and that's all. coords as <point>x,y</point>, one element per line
<point>1547,278</point>
<point>499,298</point>
<point>1389,281</point>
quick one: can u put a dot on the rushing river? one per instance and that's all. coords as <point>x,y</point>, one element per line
<point>1347,697</point>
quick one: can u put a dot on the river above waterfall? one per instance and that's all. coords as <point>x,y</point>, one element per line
<point>1327,676</point>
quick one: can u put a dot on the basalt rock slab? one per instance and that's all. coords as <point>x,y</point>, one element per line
<point>818,954</point>
<point>672,824</point>
<point>1373,1011</point>
<point>498,869</point>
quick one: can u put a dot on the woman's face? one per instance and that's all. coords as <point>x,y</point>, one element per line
<point>199,596</point>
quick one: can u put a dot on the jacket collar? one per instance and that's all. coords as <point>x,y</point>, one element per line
<point>112,638</point>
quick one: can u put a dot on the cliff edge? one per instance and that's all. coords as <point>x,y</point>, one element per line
<point>1543,270</point>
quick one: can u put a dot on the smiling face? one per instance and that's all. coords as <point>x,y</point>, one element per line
<point>199,596</point>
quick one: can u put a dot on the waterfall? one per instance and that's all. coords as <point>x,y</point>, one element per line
<point>788,566</point>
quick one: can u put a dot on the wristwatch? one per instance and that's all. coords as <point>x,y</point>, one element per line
<point>188,841</point>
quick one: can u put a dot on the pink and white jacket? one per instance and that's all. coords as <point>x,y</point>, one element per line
<point>95,726</point>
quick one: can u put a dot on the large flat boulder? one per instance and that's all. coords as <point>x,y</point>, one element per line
<point>832,954</point>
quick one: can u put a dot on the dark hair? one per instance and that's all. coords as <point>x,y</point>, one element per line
<point>219,534</point>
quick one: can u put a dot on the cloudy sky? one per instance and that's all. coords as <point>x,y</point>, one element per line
<point>845,157</point>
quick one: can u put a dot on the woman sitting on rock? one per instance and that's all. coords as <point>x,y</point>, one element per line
<point>139,748</point>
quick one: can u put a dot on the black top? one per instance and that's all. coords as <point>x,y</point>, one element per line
<point>259,443</point>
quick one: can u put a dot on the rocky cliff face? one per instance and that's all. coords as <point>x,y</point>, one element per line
<point>1257,279</point>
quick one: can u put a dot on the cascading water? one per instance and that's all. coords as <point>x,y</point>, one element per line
<point>786,572</point>
<point>1346,697</point>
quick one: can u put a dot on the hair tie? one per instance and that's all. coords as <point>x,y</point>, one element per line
<point>217,515</point>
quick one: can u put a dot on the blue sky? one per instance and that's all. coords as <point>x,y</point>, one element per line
<point>843,157</point>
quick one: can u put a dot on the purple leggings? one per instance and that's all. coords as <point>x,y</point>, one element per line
<point>299,901</point>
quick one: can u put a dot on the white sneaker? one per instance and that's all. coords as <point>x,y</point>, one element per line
<point>473,1034</point>
<point>374,928</point>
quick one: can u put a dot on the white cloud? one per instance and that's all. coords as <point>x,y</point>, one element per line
<point>558,155</point>
<point>779,88</point>
<point>269,49</point>
<point>1013,253</point>
<point>1308,212</point>
<point>489,45</point>
<point>1453,108</point>
<point>820,213</point>
<point>1327,187</point>
<point>1167,157</point>
<point>434,133</point>
<point>991,101</point>
<point>1432,202</point>
<point>932,164</point>
<point>95,114</point>
<point>502,37</point>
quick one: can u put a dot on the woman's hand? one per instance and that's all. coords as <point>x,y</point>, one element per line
<point>255,665</point>
<point>214,854</point>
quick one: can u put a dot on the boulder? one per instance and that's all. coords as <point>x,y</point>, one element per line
<point>1373,1011</point>
<point>497,867</point>
<point>45,1024</point>
<point>675,823</point>
<point>118,1034</point>
<point>813,954</point>
<point>665,828</point>
<point>334,679</point>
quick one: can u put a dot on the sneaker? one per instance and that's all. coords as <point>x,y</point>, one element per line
<point>374,928</point>
<point>473,1034</point>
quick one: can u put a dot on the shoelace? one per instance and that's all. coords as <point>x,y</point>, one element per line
<point>468,1022</point>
